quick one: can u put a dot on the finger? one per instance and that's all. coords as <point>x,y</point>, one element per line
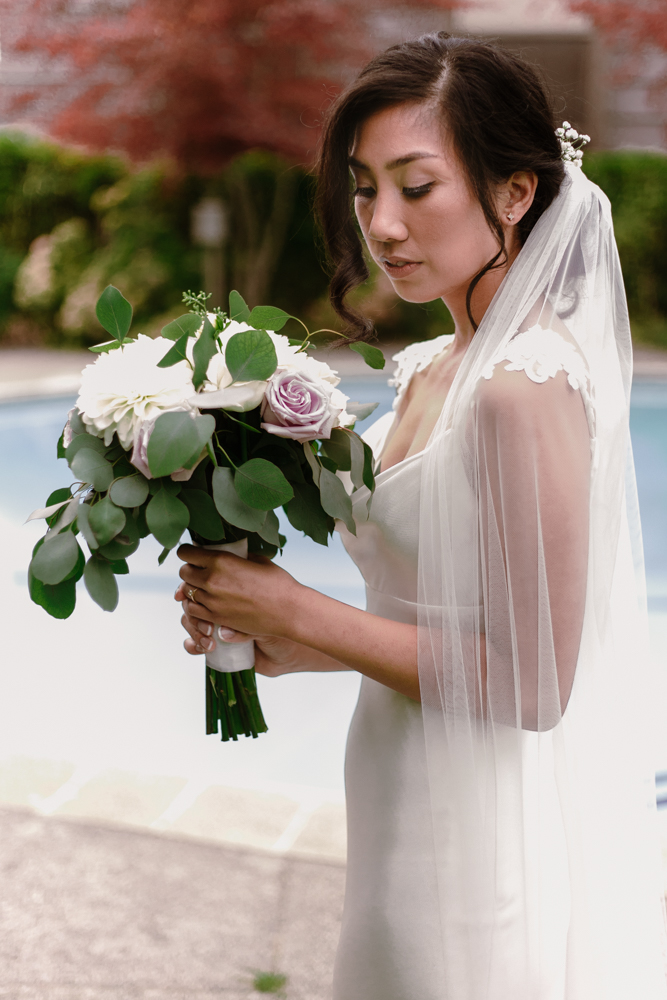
<point>192,647</point>
<point>193,575</point>
<point>196,610</point>
<point>204,558</point>
<point>192,627</point>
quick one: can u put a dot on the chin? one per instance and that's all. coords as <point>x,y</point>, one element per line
<point>416,295</point>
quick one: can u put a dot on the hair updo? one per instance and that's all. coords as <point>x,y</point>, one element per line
<point>496,112</point>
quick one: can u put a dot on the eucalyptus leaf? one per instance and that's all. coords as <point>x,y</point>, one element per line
<point>262,485</point>
<point>337,448</point>
<point>167,517</point>
<point>360,410</point>
<point>110,345</point>
<point>229,504</point>
<point>176,353</point>
<point>56,557</point>
<point>76,423</point>
<point>238,308</point>
<point>373,356</point>
<point>270,529</point>
<point>251,356</point>
<point>305,513</point>
<point>58,600</point>
<point>125,542</point>
<point>165,483</point>
<point>268,318</point>
<point>175,439</point>
<point>204,518</point>
<point>101,583</point>
<point>84,441</point>
<point>358,459</point>
<point>186,325</point>
<point>77,572</point>
<point>90,467</point>
<point>131,491</point>
<point>83,524</point>
<point>335,500</point>
<point>313,462</point>
<point>202,352</point>
<point>119,567</point>
<point>369,478</point>
<point>106,520</point>
<point>114,312</point>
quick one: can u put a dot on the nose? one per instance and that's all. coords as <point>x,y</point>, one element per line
<point>386,224</point>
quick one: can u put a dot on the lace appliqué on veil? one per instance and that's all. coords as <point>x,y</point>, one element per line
<point>541,354</point>
<point>415,358</point>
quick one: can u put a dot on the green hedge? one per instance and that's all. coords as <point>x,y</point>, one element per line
<point>71,223</point>
<point>636,184</point>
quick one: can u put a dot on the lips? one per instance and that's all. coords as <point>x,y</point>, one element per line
<point>399,267</point>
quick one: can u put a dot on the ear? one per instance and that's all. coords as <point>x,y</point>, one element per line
<point>516,196</point>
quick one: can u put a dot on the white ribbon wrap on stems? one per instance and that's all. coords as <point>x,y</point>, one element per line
<point>229,657</point>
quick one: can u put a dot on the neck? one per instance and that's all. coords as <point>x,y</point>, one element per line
<point>484,291</point>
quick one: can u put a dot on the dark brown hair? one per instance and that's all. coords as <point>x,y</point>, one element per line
<point>497,115</point>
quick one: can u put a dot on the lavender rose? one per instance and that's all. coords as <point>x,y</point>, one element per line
<point>301,407</point>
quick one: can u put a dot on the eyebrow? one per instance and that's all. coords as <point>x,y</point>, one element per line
<point>402,161</point>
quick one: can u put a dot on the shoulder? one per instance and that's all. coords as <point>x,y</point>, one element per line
<point>538,373</point>
<point>414,358</point>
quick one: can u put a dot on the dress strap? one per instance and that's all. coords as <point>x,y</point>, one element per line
<point>415,358</point>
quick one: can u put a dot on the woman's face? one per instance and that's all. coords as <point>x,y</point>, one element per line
<point>421,223</point>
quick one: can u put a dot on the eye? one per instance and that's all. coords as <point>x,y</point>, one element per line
<point>418,192</point>
<point>361,192</point>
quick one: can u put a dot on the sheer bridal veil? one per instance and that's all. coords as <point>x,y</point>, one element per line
<point>537,693</point>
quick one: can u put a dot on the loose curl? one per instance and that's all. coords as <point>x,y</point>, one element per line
<point>497,114</point>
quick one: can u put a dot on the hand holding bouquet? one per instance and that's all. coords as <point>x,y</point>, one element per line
<point>210,427</point>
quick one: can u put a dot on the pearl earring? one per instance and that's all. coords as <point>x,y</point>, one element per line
<point>510,217</point>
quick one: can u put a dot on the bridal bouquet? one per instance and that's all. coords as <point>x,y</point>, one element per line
<point>211,427</point>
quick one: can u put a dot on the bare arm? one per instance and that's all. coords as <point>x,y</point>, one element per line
<point>258,598</point>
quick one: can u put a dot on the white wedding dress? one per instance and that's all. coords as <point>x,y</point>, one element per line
<point>399,875</point>
<point>390,943</point>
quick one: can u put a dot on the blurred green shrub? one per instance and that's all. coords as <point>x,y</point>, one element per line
<point>71,223</point>
<point>636,184</point>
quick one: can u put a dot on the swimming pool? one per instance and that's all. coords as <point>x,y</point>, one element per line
<point>119,689</point>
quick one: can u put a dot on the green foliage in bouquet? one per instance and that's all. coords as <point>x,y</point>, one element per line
<point>220,474</point>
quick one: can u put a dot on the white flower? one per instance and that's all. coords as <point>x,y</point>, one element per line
<point>218,392</point>
<point>125,387</point>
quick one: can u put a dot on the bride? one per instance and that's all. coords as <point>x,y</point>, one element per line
<point>501,808</point>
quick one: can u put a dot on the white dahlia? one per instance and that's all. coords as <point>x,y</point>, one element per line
<point>124,388</point>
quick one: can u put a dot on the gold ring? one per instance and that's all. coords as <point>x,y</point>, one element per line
<point>191,591</point>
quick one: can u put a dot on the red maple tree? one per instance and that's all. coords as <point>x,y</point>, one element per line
<point>633,29</point>
<point>197,80</point>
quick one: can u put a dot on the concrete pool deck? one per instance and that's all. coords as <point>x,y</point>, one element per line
<point>128,884</point>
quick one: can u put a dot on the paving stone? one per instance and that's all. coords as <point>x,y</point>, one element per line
<point>235,815</point>
<point>123,797</point>
<point>96,913</point>
<point>325,834</point>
